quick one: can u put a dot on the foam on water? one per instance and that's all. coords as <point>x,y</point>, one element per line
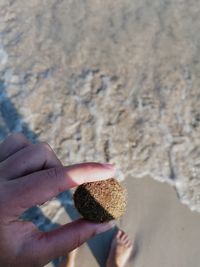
<point>138,97</point>
<point>3,56</point>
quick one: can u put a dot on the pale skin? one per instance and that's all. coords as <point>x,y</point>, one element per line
<point>31,174</point>
<point>120,252</point>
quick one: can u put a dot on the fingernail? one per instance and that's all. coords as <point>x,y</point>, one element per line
<point>108,165</point>
<point>105,227</point>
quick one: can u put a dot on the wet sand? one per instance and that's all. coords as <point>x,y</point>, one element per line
<point>112,81</point>
<point>166,233</point>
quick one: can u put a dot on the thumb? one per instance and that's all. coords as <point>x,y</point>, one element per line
<point>66,238</point>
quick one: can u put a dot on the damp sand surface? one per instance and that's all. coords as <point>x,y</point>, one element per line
<point>165,232</point>
<point>113,81</point>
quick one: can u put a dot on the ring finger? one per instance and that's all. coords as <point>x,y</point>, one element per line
<point>12,144</point>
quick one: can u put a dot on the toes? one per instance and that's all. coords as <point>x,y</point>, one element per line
<point>123,239</point>
<point>129,244</point>
<point>119,234</point>
<point>126,241</point>
<point>122,236</point>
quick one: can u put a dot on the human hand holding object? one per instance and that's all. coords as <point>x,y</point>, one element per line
<point>31,174</point>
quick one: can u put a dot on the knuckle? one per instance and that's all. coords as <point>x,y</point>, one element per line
<point>20,138</point>
<point>56,175</point>
<point>53,173</point>
<point>45,149</point>
<point>78,241</point>
<point>46,146</point>
<point>47,154</point>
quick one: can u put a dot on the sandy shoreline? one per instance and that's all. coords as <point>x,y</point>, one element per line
<point>113,81</point>
<point>165,232</point>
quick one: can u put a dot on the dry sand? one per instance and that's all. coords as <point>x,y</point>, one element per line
<point>166,233</point>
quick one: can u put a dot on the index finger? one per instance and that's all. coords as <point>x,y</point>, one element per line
<point>38,187</point>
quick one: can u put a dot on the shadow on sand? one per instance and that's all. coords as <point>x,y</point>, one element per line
<point>11,121</point>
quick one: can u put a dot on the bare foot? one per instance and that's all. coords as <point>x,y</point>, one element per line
<point>70,261</point>
<point>120,250</point>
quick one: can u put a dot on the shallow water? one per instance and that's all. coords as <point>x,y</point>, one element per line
<point>107,80</point>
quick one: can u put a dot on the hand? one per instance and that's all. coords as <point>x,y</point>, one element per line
<point>31,174</point>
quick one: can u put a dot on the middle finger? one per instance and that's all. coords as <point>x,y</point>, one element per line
<point>30,159</point>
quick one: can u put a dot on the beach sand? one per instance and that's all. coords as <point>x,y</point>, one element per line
<point>165,232</point>
<point>112,81</point>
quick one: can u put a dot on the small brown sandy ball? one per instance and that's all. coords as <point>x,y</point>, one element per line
<point>101,201</point>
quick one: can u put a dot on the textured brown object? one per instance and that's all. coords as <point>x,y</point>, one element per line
<point>101,201</point>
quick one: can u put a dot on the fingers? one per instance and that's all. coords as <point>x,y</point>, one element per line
<point>66,238</point>
<point>12,144</point>
<point>32,158</point>
<point>41,186</point>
